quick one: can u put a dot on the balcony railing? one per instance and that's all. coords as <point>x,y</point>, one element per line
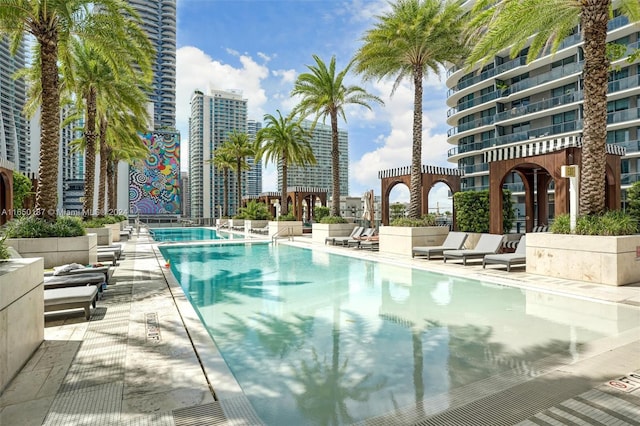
<point>631,146</point>
<point>519,111</point>
<point>469,147</point>
<point>473,102</point>
<point>630,82</point>
<point>475,168</point>
<point>617,22</point>
<point>463,127</point>
<point>554,74</point>
<point>629,178</point>
<point>624,115</point>
<point>505,66</point>
<point>556,129</point>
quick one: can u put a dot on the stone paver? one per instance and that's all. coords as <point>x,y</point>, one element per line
<point>134,363</point>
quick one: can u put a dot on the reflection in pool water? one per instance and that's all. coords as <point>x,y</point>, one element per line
<point>316,338</point>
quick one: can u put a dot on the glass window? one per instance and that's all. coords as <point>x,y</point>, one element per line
<point>618,105</point>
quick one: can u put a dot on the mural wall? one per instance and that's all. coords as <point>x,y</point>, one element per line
<point>154,183</point>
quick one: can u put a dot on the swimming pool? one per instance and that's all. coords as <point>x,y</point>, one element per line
<point>317,338</point>
<point>187,234</point>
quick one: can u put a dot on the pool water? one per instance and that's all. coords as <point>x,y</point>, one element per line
<point>317,338</point>
<point>187,234</point>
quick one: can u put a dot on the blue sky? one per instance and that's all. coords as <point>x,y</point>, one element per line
<point>260,46</point>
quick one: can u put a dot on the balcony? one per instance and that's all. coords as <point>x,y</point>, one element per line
<point>506,66</point>
<point>629,178</point>
<point>624,115</point>
<point>463,127</point>
<point>552,75</point>
<point>474,102</point>
<point>556,129</point>
<point>477,146</point>
<point>617,22</point>
<point>475,168</point>
<point>520,111</point>
<point>631,82</point>
<point>631,146</point>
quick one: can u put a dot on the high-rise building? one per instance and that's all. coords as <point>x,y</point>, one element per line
<point>213,117</point>
<point>14,127</point>
<point>320,174</point>
<point>253,176</point>
<point>159,23</point>
<point>509,103</point>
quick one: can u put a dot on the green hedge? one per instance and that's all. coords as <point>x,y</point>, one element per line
<point>426,220</point>
<point>333,219</point>
<point>472,211</point>
<point>34,227</point>
<point>609,223</point>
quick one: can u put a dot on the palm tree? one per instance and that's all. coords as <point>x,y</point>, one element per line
<point>324,93</point>
<point>284,141</point>
<point>500,24</point>
<point>53,23</point>
<point>413,38</point>
<point>224,161</point>
<point>239,147</point>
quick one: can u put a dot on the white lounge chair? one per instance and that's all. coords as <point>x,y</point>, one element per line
<point>77,269</point>
<point>355,241</point>
<point>342,240</point>
<point>487,244</point>
<point>84,297</point>
<point>519,257</point>
<point>453,241</point>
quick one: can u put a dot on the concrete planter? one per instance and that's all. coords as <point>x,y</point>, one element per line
<point>105,235</point>
<point>604,260</point>
<point>115,231</point>
<point>236,223</point>
<point>280,227</point>
<point>402,239</point>
<point>222,222</point>
<point>21,314</point>
<point>321,231</point>
<point>123,224</point>
<point>254,224</point>
<point>58,251</point>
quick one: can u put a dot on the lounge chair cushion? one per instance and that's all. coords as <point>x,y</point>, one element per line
<point>453,241</point>
<point>70,298</point>
<point>509,259</point>
<point>487,244</point>
<point>57,281</point>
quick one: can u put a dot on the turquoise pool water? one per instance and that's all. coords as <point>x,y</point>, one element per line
<point>187,234</point>
<point>316,338</point>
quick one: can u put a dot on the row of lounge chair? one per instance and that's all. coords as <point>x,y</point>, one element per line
<point>360,237</point>
<point>487,249</point>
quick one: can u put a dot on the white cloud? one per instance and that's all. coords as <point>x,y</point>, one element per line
<point>286,76</point>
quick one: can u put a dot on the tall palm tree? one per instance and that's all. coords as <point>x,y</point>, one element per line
<point>239,146</point>
<point>325,93</point>
<point>284,141</point>
<point>53,23</point>
<point>500,24</point>
<point>413,38</point>
<point>224,161</point>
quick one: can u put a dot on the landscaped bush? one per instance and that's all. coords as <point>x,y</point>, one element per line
<point>34,227</point>
<point>472,211</point>
<point>254,211</point>
<point>426,220</point>
<point>289,217</point>
<point>21,189</point>
<point>4,251</point>
<point>333,219</point>
<point>99,222</point>
<point>610,223</point>
<point>321,212</point>
<point>633,202</point>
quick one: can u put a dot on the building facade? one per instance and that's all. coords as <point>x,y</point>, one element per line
<point>319,175</point>
<point>253,176</point>
<point>14,127</point>
<point>508,103</point>
<point>159,23</point>
<point>213,117</point>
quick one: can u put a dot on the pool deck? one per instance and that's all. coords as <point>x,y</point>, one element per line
<point>135,363</point>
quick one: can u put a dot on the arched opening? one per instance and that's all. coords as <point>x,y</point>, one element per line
<point>398,196</point>
<point>440,197</point>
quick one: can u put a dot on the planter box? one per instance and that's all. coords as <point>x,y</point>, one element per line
<point>279,228</point>
<point>115,231</point>
<point>105,235</point>
<point>222,222</point>
<point>254,224</point>
<point>321,231</point>
<point>58,251</point>
<point>595,259</point>
<point>402,239</point>
<point>123,224</point>
<point>21,314</point>
<point>236,223</point>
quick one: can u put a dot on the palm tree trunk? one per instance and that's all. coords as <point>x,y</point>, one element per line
<point>46,194</point>
<point>239,178</point>
<point>225,196</point>
<point>284,205</point>
<point>415,200</point>
<point>110,171</point>
<point>335,165</point>
<point>90,154</point>
<point>113,188</point>
<point>103,167</point>
<point>594,16</point>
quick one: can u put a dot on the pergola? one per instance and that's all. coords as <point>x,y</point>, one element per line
<point>297,197</point>
<point>430,176</point>
<point>6,191</point>
<point>538,164</point>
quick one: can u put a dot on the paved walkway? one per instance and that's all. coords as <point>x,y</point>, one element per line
<point>134,363</point>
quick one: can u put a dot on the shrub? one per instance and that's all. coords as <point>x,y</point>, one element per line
<point>333,219</point>
<point>610,223</point>
<point>472,211</point>
<point>254,211</point>
<point>22,188</point>
<point>633,203</point>
<point>34,227</point>
<point>426,220</point>
<point>320,212</point>
<point>99,222</point>
<point>289,217</point>
<point>4,251</point>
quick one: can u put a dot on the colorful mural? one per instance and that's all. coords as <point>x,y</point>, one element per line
<point>154,183</point>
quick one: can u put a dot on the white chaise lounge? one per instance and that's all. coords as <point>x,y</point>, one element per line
<point>487,244</point>
<point>453,241</point>
<point>57,299</point>
<point>519,257</point>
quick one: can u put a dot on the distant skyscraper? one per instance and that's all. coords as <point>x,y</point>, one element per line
<point>14,127</point>
<point>213,117</point>
<point>254,174</point>
<point>319,176</point>
<point>159,22</point>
